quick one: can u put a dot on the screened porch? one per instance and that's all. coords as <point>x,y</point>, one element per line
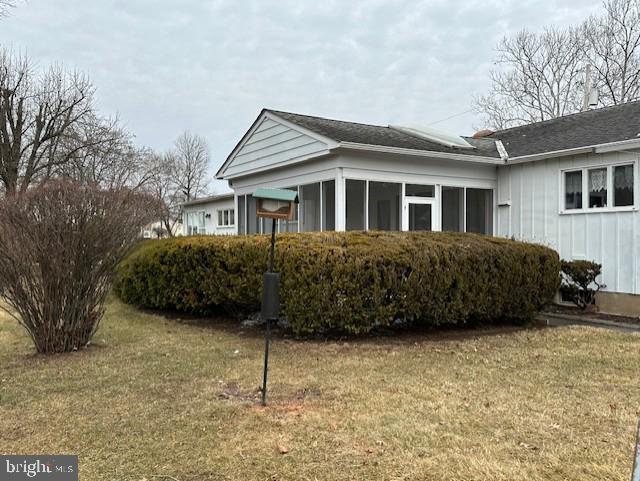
<point>374,205</point>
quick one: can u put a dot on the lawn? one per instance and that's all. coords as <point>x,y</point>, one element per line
<point>158,399</point>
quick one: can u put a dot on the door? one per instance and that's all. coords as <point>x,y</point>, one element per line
<point>420,214</point>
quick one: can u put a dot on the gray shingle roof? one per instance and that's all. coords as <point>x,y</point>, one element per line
<point>210,198</point>
<point>341,131</point>
<point>593,127</point>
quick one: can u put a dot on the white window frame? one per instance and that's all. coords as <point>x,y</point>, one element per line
<point>610,189</point>
<point>436,201</point>
<point>228,211</point>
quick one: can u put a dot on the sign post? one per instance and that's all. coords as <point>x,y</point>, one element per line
<point>272,204</point>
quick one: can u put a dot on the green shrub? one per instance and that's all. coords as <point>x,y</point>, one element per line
<point>578,279</point>
<point>348,282</point>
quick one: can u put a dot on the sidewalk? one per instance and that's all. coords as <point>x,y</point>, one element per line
<point>554,319</point>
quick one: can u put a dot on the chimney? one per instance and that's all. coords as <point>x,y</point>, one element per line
<point>483,133</point>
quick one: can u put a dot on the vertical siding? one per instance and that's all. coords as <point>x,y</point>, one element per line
<point>610,238</point>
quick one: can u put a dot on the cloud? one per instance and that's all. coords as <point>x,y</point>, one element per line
<point>210,66</point>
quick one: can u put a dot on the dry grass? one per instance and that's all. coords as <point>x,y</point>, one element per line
<point>162,400</point>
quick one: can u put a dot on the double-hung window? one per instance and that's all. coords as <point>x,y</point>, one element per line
<point>590,189</point>
<point>226,218</point>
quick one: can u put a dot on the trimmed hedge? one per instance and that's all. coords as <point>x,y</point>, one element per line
<point>348,282</point>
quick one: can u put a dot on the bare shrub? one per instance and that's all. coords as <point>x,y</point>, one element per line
<point>59,246</point>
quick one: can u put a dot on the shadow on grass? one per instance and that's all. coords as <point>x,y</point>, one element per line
<point>401,333</point>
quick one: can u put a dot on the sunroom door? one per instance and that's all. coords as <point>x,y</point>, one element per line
<point>420,214</point>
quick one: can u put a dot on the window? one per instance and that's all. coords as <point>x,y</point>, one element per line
<point>479,208</point>
<point>225,218</point>
<point>355,204</point>
<point>573,190</point>
<point>310,207</point>
<point>241,215</point>
<point>195,223</point>
<point>329,205</point>
<point>290,225</point>
<point>597,188</point>
<point>452,209</point>
<point>606,187</point>
<point>416,190</point>
<point>253,222</point>
<point>384,206</point>
<point>622,185</point>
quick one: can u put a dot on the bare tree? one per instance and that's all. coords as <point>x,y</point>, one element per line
<point>47,120</point>
<point>60,243</point>
<point>99,151</point>
<point>612,47</point>
<point>5,6</point>
<point>190,164</point>
<point>540,78</point>
<point>161,185</point>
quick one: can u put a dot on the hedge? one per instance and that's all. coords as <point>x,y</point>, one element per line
<point>347,282</point>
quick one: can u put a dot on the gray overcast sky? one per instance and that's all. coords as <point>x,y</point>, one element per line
<point>209,66</point>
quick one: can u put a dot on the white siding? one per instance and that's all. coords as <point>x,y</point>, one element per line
<point>610,238</point>
<point>211,209</point>
<point>270,145</point>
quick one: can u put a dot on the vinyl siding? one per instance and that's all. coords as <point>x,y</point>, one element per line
<point>272,144</point>
<point>610,238</point>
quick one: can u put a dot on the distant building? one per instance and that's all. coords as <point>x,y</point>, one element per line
<point>157,230</point>
<point>214,215</point>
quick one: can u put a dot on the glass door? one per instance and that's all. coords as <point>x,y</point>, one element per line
<point>420,215</point>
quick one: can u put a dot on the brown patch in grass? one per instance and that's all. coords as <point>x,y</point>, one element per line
<point>494,404</point>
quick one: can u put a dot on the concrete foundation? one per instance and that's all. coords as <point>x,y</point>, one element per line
<point>617,303</point>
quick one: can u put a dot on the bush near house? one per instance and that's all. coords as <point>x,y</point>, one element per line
<point>578,281</point>
<point>348,282</point>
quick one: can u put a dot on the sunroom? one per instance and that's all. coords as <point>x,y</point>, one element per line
<point>351,176</point>
<point>384,206</point>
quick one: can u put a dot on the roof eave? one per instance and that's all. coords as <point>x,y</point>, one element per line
<point>478,159</point>
<point>618,146</point>
<point>206,200</point>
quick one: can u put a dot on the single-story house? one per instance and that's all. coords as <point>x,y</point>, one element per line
<point>570,183</point>
<point>213,215</point>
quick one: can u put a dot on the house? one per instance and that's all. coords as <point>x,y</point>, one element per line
<point>157,230</point>
<point>213,215</point>
<point>570,183</point>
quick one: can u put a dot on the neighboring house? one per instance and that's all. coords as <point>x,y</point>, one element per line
<point>157,230</point>
<point>570,183</point>
<point>209,215</point>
